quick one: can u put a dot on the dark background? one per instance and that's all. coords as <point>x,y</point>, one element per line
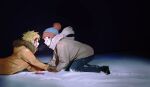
<point>108,26</point>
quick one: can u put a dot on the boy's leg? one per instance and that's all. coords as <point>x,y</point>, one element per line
<point>83,66</point>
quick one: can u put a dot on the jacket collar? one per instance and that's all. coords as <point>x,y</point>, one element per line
<point>27,44</point>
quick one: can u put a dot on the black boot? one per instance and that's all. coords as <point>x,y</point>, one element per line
<point>105,69</point>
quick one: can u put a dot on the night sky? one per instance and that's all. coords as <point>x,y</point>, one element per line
<point>108,26</point>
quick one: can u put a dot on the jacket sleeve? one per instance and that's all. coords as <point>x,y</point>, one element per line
<point>29,57</point>
<point>63,56</point>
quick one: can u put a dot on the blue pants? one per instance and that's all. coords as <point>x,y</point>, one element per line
<point>83,66</point>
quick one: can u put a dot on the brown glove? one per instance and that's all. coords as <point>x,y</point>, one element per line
<point>52,68</point>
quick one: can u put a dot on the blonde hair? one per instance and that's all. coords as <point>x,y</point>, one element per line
<point>30,36</point>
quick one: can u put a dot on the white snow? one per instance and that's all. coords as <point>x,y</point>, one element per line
<point>125,72</point>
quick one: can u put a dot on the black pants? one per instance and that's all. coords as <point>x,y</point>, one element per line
<point>83,66</point>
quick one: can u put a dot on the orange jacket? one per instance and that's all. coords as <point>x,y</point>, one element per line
<point>21,59</point>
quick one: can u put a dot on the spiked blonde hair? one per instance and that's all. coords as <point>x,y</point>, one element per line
<point>30,36</point>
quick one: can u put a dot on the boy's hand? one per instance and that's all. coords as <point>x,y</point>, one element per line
<point>52,68</point>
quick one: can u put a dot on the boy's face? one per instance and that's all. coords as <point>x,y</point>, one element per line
<point>47,36</point>
<point>47,41</point>
<point>36,42</point>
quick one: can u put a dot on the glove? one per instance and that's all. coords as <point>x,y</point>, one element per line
<point>52,68</point>
<point>39,72</point>
<point>68,30</point>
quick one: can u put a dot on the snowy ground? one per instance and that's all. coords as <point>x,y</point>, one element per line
<point>125,72</point>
